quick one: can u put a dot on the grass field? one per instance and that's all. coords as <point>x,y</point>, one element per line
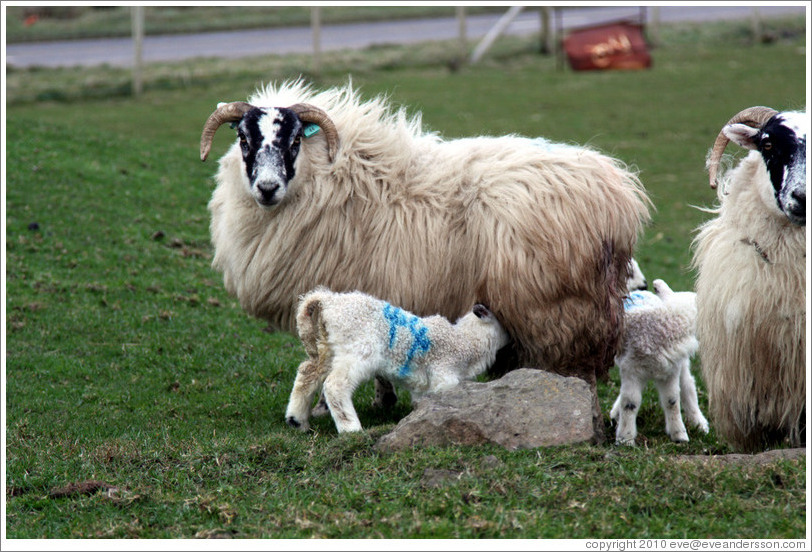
<point>127,363</point>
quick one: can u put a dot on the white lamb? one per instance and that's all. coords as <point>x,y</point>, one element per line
<point>636,279</point>
<point>659,342</point>
<point>352,337</point>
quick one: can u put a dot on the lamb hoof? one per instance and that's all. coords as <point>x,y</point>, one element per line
<point>385,401</point>
<point>321,409</point>
<point>353,428</point>
<point>293,422</point>
<point>625,441</point>
<point>703,426</point>
<point>680,438</point>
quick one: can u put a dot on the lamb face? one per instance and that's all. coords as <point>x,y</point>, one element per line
<point>636,280</point>
<point>483,322</point>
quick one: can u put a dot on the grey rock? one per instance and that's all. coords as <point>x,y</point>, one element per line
<point>526,408</point>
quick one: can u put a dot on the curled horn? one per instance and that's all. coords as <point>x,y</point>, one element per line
<point>754,117</point>
<point>311,114</point>
<point>225,113</point>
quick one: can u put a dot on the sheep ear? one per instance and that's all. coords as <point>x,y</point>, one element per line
<point>741,134</point>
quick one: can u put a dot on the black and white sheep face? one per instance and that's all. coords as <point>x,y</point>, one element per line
<point>270,139</point>
<point>782,144</point>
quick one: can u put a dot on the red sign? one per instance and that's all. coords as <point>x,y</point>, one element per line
<point>610,46</point>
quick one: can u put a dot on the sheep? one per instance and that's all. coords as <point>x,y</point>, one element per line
<point>658,344</point>
<point>351,194</point>
<point>351,337</point>
<point>750,261</point>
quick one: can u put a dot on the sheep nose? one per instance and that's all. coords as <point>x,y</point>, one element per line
<point>267,193</point>
<point>798,208</point>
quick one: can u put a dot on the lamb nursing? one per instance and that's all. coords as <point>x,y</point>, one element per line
<point>352,337</point>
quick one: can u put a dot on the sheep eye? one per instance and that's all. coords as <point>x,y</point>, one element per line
<point>297,140</point>
<point>767,145</point>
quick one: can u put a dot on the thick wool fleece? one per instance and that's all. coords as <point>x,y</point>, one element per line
<point>541,235</point>
<point>751,282</point>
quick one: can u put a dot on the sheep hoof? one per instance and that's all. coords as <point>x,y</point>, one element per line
<point>626,442</point>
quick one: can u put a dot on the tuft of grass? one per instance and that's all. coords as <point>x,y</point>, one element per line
<point>135,381</point>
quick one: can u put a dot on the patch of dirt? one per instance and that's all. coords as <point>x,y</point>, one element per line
<point>434,478</point>
<point>759,459</point>
<point>88,487</point>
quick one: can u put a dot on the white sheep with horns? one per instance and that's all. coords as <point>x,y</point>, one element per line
<point>751,282</point>
<point>541,234</point>
<point>351,337</point>
<point>658,343</point>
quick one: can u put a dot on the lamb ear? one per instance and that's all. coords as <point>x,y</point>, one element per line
<point>481,311</point>
<point>741,134</point>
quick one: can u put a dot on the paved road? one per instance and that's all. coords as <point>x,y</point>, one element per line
<point>236,44</point>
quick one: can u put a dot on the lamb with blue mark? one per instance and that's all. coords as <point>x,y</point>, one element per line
<point>352,337</point>
<point>398,318</point>
<point>658,344</point>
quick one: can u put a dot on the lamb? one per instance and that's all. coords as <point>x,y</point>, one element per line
<point>636,279</point>
<point>351,337</point>
<point>750,284</point>
<point>658,344</point>
<point>354,195</point>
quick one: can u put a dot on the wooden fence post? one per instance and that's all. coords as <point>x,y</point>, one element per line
<point>315,26</point>
<point>138,47</point>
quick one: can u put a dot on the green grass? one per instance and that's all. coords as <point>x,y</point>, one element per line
<point>127,362</point>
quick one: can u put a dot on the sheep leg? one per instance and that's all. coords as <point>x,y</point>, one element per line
<point>690,402</point>
<point>669,390</point>
<point>385,396</point>
<point>625,409</point>
<point>309,379</point>
<point>339,387</point>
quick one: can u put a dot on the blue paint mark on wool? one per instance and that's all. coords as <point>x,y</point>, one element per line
<point>637,299</point>
<point>398,318</point>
